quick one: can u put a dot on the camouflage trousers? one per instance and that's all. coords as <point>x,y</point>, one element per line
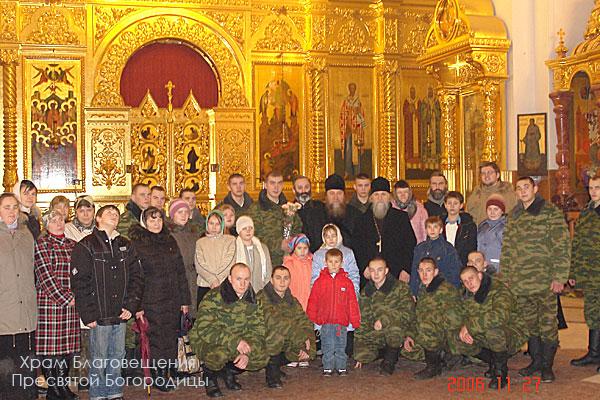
<point>591,307</point>
<point>215,357</point>
<point>290,343</point>
<point>367,343</point>
<point>496,339</point>
<point>428,338</point>
<point>539,313</point>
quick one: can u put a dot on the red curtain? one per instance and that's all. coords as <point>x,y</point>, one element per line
<point>152,66</point>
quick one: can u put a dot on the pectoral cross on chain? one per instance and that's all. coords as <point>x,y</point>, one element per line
<point>378,244</point>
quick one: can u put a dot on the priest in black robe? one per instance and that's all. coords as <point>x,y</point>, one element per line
<point>384,231</point>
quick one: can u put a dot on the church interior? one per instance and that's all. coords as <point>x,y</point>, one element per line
<point>98,95</point>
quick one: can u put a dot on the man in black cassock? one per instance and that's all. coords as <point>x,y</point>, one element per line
<point>384,231</point>
<point>315,215</point>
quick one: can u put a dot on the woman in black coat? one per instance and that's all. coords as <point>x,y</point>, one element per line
<point>165,292</point>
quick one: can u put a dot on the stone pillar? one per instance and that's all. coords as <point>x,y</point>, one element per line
<point>563,197</point>
<point>316,160</point>
<point>448,102</point>
<point>388,131</point>
<point>9,60</point>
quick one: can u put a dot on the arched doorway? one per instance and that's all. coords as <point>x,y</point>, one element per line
<point>171,87</point>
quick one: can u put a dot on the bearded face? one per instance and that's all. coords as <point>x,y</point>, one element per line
<point>380,204</point>
<point>303,198</point>
<point>335,209</point>
<point>438,194</point>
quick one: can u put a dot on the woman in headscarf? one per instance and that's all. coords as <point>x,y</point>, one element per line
<point>404,200</point>
<point>57,337</point>
<point>17,300</point>
<point>26,193</point>
<point>215,254</point>
<point>83,223</point>
<point>186,233</point>
<point>166,291</point>
<point>252,252</point>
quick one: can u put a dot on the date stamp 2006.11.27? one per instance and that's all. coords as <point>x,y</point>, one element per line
<point>479,384</point>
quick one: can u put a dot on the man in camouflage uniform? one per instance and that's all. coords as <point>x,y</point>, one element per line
<point>492,328</point>
<point>585,270</point>
<point>535,265</point>
<point>289,332</point>
<point>437,316</point>
<point>269,217</point>
<point>229,334</point>
<point>387,310</point>
<point>140,200</point>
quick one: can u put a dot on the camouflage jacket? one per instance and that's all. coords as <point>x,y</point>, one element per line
<point>268,220</point>
<point>392,304</point>
<point>535,248</point>
<point>224,319</point>
<point>493,307</point>
<point>585,259</point>
<point>284,319</point>
<point>438,305</point>
<point>130,217</point>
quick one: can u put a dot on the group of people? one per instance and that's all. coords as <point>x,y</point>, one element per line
<point>269,283</point>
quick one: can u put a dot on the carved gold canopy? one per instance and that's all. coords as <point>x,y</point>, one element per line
<point>466,52</point>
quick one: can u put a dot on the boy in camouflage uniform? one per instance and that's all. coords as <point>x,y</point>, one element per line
<point>493,329</point>
<point>535,264</point>
<point>437,316</point>
<point>289,332</point>
<point>585,270</point>
<point>269,217</point>
<point>387,310</point>
<point>229,334</point>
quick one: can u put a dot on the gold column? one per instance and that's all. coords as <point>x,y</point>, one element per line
<point>386,71</point>
<point>490,92</point>
<point>8,60</point>
<point>448,102</point>
<point>317,164</point>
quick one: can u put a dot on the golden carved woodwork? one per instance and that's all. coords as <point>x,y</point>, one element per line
<point>386,71</point>
<point>108,163</point>
<point>448,102</point>
<point>317,164</point>
<point>490,89</point>
<point>107,17</point>
<point>8,21</point>
<point>54,24</point>
<point>278,35</point>
<point>9,113</point>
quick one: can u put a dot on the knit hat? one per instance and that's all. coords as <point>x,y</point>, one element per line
<point>243,222</point>
<point>176,205</point>
<point>380,184</point>
<point>84,201</point>
<point>496,201</point>
<point>335,181</point>
<point>296,240</point>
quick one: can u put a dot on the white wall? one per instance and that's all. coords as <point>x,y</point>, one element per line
<point>532,27</point>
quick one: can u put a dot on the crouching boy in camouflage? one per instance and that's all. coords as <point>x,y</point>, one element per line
<point>289,332</point>
<point>387,310</point>
<point>229,334</point>
<point>493,329</point>
<point>437,315</point>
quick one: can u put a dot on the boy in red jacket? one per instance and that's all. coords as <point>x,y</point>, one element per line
<point>333,305</point>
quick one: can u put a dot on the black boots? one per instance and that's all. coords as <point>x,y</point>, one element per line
<point>593,354</point>
<point>212,385</point>
<point>548,353</point>
<point>433,368</point>
<point>485,355</point>
<point>229,372</point>
<point>390,358</point>
<point>499,370</point>
<point>57,378</point>
<point>272,372</point>
<point>535,352</point>
<point>162,380</point>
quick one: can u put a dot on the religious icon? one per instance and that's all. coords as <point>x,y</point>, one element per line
<point>352,131</point>
<point>149,160</point>
<point>192,160</point>
<point>532,144</point>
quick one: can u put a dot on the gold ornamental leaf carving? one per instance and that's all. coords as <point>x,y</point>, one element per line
<point>232,22</point>
<point>53,25</point>
<point>148,106</point>
<point>234,148</point>
<point>491,62</point>
<point>412,32</point>
<point>175,27</point>
<point>191,107</point>
<point>108,162</point>
<point>278,35</point>
<point>9,56</point>
<point>107,17</point>
<point>352,36</point>
<point>319,32</point>
<point>8,21</point>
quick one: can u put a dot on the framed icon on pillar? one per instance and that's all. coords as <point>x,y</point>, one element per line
<point>533,144</point>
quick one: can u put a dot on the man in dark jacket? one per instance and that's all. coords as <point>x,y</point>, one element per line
<point>385,232</point>
<point>459,228</point>
<point>237,196</point>
<point>139,201</point>
<point>312,213</point>
<point>108,283</point>
<point>438,187</point>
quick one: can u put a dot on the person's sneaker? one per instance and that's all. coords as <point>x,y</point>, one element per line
<point>342,372</point>
<point>327,372</point>
<point>303,364</point>
<point>293,364</point>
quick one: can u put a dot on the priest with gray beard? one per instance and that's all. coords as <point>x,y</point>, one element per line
<point>384,231</point>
